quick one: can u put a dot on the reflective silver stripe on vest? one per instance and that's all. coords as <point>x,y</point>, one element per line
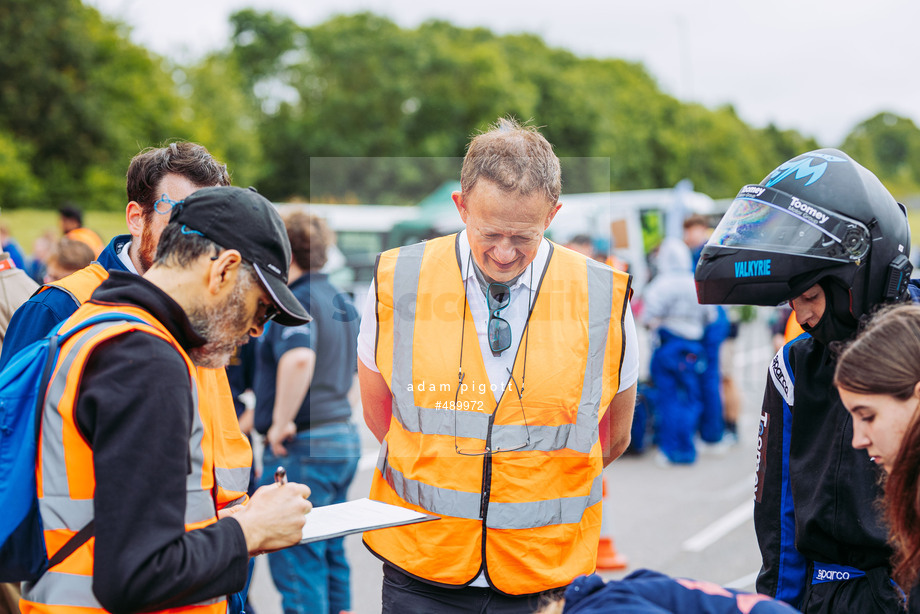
<point>382,457</point>
<point>440,501</point>
<point>67,589</point>
<point>74,590</point>
<point>58,510</point>
<point>579,437</point>
<point>535,514</point>
<point>199,505</point>
<point>54,469</point>
<point>525,515</point>
<point>441,421</point>
<point>600,303</point>
<point>235,502</point>
<point>62,512</point>
<point>405,286</point>
<point>474,425</point>
<point>235,478</point>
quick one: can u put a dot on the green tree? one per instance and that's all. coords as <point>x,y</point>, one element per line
<point>80,98</point>
<point>260,45</point>
<point>889,145</point>
<point>18,186</point>
<point>360,109</point>
<point>780,145</point>
<point>225,116</point>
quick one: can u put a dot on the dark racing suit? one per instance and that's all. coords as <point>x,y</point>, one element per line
<point>816,516</point>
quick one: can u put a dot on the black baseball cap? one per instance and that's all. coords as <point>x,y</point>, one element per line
<point>244,220</point>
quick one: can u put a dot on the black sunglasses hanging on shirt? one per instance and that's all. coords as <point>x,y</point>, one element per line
<point>499,330</point>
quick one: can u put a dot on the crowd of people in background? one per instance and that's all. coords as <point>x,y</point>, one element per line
<point>689,402</point>
<point>55,255</point>
<point>212,281</point>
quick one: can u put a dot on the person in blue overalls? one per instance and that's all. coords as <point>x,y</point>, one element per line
<point>712,419</point>
<point>671,310</point>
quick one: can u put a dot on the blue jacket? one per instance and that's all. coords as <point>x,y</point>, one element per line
<point>45,310</point>
<point>650,592</point>
<point>12,248</point>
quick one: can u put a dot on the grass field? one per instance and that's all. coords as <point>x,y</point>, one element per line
<point>26,225</point>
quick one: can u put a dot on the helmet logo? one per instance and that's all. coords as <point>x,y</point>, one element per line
<point>808,210</point>
<point>752,268</point>
<point>750,191</point>
<point>802,168</point>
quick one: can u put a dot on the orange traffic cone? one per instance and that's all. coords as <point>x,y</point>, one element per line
<point>607,555</point>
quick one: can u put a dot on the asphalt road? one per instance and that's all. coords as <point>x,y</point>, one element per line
<point>693,521</point>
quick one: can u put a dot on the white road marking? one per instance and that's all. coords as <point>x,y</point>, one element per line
<point>720,528</point>
<point>744,582</point>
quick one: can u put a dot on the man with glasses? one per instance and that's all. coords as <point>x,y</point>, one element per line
<point>156,179</point>
<point>499,372</point>
<point>124,457</point>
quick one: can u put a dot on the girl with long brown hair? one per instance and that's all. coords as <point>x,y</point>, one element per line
<point>878,378</point>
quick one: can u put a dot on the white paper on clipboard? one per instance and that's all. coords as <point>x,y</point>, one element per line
<point>330,521</point>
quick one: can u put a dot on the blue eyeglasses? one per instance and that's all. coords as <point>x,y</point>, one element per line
<point>164,204</point>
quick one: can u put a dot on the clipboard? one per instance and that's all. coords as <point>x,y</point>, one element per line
<point>340,519</point>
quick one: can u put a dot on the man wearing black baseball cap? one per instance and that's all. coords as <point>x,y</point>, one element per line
<point>141,464</point>
<point>247,222</point>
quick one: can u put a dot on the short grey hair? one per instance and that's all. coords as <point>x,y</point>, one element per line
<point>516,157</point>
<point>180,247</point>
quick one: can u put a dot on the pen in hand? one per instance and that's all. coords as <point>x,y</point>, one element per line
<point>280,476</point>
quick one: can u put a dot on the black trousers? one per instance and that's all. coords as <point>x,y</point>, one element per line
<point>872,593</point>
<point>403,594</point>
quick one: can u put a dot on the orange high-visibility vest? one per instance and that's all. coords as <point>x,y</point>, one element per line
<point>529,518</point>
<point>232,451</point>
<point>66,479</point>
<point>87,237</point>
<point>793,328</point>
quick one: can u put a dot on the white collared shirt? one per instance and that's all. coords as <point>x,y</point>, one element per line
<point>126,259</point>
<point>523,292</point>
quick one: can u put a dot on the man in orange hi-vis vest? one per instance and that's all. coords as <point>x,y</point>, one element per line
<point>73,228</point>
<point>122,449</point>
<point>499,370</point>
<point>156,178</point>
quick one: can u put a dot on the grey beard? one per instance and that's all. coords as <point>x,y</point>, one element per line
<point>217,324</point>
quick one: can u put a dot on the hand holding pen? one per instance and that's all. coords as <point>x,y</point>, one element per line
<point>274,516</point>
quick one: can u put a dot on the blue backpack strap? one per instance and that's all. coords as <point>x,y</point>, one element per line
<point>111,316</point>
<point>56,339</point>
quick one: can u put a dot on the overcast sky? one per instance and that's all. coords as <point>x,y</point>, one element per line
<point>820,66</point>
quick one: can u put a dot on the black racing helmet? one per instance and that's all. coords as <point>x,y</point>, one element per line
<point>820,217</point>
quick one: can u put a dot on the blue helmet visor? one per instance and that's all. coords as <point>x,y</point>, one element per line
<point>765,219</point>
